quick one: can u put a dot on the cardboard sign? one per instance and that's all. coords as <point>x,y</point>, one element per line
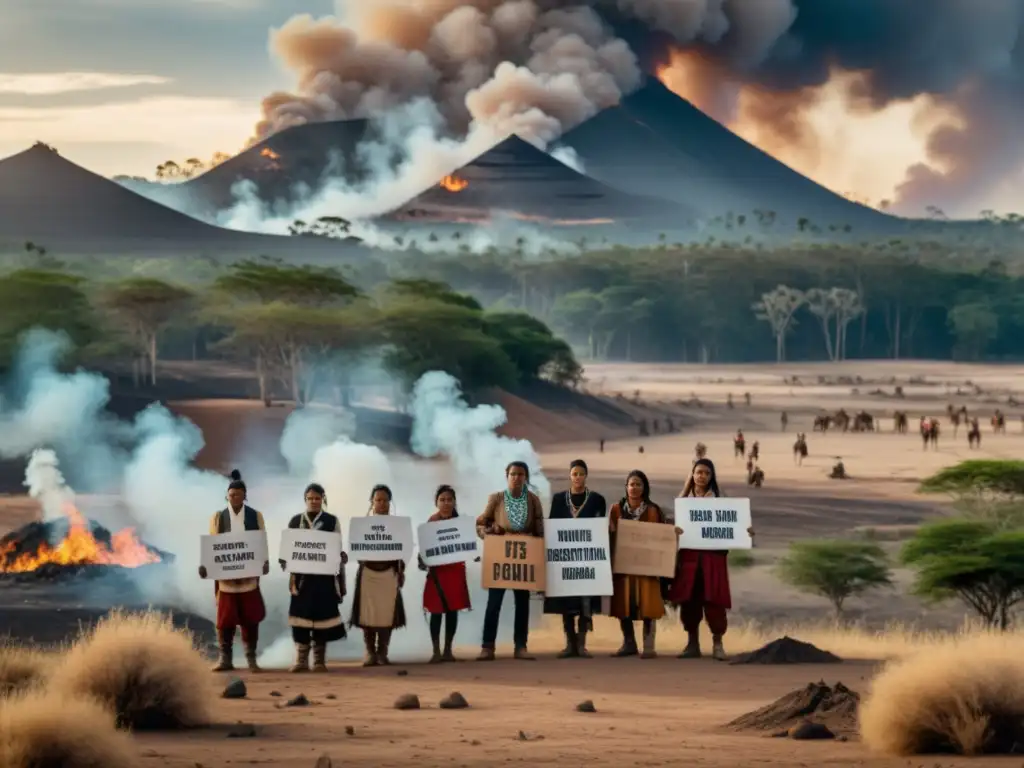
<point>377,538</point>
<point>304,550</point>
<point>513,562</point>
<point>714,523</point>
<point>578,558</point>
<point>447,541</point>
<point>228,556</point>
<point>645,549</point>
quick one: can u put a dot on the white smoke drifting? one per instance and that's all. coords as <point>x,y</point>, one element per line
<point>171,502</point>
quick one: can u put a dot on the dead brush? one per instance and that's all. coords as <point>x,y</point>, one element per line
<point>147,672</point>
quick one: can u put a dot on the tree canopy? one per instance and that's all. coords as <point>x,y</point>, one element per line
<point>835,570</point>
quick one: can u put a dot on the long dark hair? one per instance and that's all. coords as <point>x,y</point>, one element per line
<point>455,499</point>
<point>712,482</point>
<point>646,485</point>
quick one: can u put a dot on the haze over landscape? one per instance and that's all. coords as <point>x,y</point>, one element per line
<point>279,253</point>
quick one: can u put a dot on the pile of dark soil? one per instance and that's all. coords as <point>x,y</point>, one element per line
<point>786,650</point>
<point>835,708</point>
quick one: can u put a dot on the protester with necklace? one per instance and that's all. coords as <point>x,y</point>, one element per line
<point>515,510</point>
<point>579,502</point>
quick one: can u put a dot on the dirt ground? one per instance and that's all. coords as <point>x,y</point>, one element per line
<point>665,711</point>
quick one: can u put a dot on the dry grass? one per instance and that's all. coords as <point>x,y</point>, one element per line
<point>47,730</point>
<point>22,668</point>
<point>964,697</point>
<point>142,668</point>
<point>846,641</point>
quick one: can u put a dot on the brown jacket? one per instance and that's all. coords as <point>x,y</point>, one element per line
<point>494,513</point>
<point>636,597</point>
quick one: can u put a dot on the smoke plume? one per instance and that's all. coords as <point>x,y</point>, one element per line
<point>147,465</point>
<point>539,67</point>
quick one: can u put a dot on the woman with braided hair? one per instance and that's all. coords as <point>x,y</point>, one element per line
<point>315,610</point>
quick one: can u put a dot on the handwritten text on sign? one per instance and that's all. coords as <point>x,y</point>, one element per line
<point>310,551</point>
<point>447,541</point>
<point>513,562</point>
<point>714,523</point>
<point>645,549</point>
<point>233,555</point>
<point>578,558</point>
<point>380,537</point>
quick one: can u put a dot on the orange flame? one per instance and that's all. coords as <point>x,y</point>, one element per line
<point>80,547</point>
<point>453,183</point>
<point>270,154</point>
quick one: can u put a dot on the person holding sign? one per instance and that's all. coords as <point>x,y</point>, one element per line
<point>239,601</point>
<point>576,503</point>
<point>636,598</point>
<point>446,591</point>
<point>700,588</point>
<point>377,606</point>
<point>516,510</point>
<point>314,613</point>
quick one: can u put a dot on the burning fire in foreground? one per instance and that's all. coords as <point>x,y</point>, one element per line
<point>21,553</point>
<point>453,183</point>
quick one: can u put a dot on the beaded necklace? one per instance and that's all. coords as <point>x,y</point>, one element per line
<point>573,509</point>
<point>516,510</point>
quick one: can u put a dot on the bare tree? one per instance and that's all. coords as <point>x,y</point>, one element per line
<point>777,307</point>
<point>848,307</point>
<point>822,304</point>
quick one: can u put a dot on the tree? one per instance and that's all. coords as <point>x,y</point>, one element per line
<point>580,310</point>
<point>822,304</point>
<point>835,570</point>
<point>975,326</point>
<point>848,307</point>
<point>146,306</point>
<point>529,344</point>
<point>777,308</point>
<point>972,560</point>
<point>41,298</point>
<point>984,489</point>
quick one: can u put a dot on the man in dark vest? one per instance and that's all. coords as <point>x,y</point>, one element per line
<point>239,601</point>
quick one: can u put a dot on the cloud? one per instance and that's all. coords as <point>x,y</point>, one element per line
<point>51,83</point>
<point>176,126</point>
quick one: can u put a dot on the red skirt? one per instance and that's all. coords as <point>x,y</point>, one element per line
<point>240,609</point>
<point>446,589</point>
<point>713,570</point>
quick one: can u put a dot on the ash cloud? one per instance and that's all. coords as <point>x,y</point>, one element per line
<point>539,67</point>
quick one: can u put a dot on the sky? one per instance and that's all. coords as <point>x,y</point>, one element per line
<point>120,86</point>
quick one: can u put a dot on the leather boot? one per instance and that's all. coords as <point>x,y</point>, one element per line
<point>448,655</point>
<point>370,641</point>
<point>383,641</point>
<point>649,638</point>
<point>523,655</point>
<point>570,649</point>
<point>692,649</point>
<point>250,658</point>
<point>486,654</point>
<point>628,647</point>
<point>301,658</point>
<point>717,648</point>
<point>320,657</point>
<point>225,658</point>
<point>581,645</point>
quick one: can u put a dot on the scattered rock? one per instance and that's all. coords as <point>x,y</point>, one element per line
<point>834,707</point>
<point>586,706</point>
<point>275,693</point>
<point>330,696</point>
<point>454,700</point>
<point>407,701</point>
<point>786,650</point>
<point>524,736</point>
<point>242,731</point>
<point>298,701</point>
<point>810,731</point>
<point>402,673</point>
<point>474,743</point>
<point>324,761</point>
<point>350,731</point>
<point>235,689</point>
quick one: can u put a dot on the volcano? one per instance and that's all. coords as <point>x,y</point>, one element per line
<point>657,143</point>
<point>71,547</point>
<point>516,179</point>
<point>49,200</point>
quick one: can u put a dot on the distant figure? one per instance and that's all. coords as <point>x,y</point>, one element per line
<point>974,435</point>
<point>728,401</point>
<point>900,422</point>
<point>641,449</point>
<point>642,428</point>
<point>699,452</point>
<point>839,470</point>
<point>785,420</point>
<point>601,445</point>
<point>954,418</point>
<point>929,433</point>
<point>746,397</point>
<point>821,423</point>
<point>655,424</point>
<point>800,448</point>
<point>739,444</point>
<point>755,451</point>
<point>755,475</point>
<point>999,422</point>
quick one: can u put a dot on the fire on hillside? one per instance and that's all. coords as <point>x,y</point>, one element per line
<point>453,183</point>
